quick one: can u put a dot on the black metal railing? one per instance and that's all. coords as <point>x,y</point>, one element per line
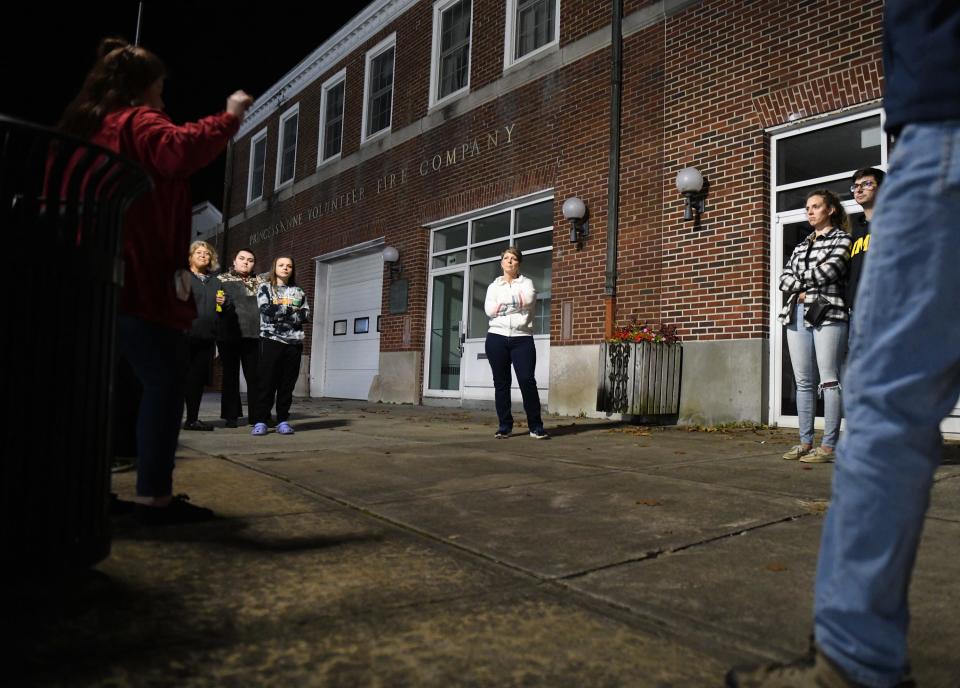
<point>62,202</point>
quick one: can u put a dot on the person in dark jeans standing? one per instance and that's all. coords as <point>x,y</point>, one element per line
<point>864,187</point>
<point>238,339</point>
<point>283,312</point>
<point>509,304</point>
<point>209,297</point>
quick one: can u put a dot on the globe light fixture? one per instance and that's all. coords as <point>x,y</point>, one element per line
<point>575,211</point>
<point>690,184</point>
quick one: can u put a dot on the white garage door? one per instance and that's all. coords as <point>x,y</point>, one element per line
<point>354,295</point>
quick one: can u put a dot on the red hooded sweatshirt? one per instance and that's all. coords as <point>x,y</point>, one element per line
<point>156,230</point>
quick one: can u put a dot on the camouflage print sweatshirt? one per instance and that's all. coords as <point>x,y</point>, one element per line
<point>283,311</point>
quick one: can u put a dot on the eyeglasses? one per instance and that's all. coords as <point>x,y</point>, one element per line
<point>866,186</point>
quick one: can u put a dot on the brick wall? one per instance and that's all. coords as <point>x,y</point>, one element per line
<point>699,88</point>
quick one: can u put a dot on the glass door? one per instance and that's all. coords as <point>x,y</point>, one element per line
<point>464,260</point>
<point>445,346</point>
<point>820,156</point>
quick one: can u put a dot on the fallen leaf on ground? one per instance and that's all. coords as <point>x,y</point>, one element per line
<point>649,502</point>
<point>776,567</point>
<point>815,506</point>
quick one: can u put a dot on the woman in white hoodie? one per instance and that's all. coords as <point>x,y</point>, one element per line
<point>509,304</point>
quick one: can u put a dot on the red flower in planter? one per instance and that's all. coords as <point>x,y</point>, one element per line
<point>644,332</point>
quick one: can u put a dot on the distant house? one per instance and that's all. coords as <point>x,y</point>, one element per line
<point>206,222</point>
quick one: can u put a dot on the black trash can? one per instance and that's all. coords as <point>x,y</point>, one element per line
<point>62,202</point>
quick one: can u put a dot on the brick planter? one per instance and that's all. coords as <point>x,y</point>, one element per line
<point>640,379</point>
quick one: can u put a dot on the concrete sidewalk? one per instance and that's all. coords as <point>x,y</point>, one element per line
<point>404,546</point>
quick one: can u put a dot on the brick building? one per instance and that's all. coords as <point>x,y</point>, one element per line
<point>446,130</point>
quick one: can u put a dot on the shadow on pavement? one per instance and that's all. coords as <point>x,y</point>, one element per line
<point>303,425</point>
<point>229,533</point>
<point>577,428</point>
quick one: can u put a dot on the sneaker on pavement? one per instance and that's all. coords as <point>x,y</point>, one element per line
<point>178,511</point>
<point>259,429</point>
<point>796,452</point>
<point>818,455</point>
<point>230,423</point>
<point>815,671</point>
<point>197,425</point>
<point>284,428</point>
<point>503,433</point>
<point>539,434</point>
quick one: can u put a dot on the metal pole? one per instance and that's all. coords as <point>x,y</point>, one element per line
<point>613,183</point>
<point>227,190</point>
<point>136,40</point>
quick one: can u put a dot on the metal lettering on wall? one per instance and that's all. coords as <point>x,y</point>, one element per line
<point>435,163</point>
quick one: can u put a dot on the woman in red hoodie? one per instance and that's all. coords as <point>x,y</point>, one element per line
<point>121,107</point>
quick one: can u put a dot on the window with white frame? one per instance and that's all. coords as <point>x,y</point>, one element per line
<point>450,74</point>
<point>532,27</point>
<point>287,148</point>
<point>824,156</point>
<point>479,243</point>
<point>378,88</point>
<point>331,117</point>
<point>258,159</point>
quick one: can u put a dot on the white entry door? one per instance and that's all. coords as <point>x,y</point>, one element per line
<point>352,351</point>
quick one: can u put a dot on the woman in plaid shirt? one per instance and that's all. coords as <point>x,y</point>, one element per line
<point>814,279</point>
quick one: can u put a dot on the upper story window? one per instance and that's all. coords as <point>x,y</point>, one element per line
<point>378,88</point>
<point>451,49</point>
<point>823,156</point>
<point>258,159</point>
<point>532,27</point>
<point>287,148</point>
<point>331,117</point>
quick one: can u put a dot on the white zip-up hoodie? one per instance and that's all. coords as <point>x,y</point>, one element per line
<point>510,306</point>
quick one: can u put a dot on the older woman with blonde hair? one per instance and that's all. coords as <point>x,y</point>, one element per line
<point>208,296</point>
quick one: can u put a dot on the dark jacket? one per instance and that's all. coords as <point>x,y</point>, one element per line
<point>860,235</point>
<point>205,325</point>
<point>921,55</point>
<point>240,318</point>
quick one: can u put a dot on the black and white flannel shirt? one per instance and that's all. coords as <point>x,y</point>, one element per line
<point>818,266</point>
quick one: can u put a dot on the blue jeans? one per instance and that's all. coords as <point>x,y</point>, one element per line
<point>157,356</point>
<point>824,347</point>
<point>902,379</point>
<point>501,351</point>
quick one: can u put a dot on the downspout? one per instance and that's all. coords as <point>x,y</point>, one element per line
<point>227,189</point>
<point>613,183</point>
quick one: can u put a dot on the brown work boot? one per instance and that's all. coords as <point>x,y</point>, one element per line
<point>810,671</point>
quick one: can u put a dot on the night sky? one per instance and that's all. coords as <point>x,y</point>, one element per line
<point>210,50</point>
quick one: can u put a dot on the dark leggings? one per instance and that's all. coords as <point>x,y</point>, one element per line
<point>277,376</point>
<point>245,352</point>
<point>200,354</point>
<point>156,355</point>
<point>521,352</point>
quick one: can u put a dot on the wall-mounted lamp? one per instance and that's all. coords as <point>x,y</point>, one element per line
<point>391,257</point>
<point>690,183</point>
<point>575,211</point>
